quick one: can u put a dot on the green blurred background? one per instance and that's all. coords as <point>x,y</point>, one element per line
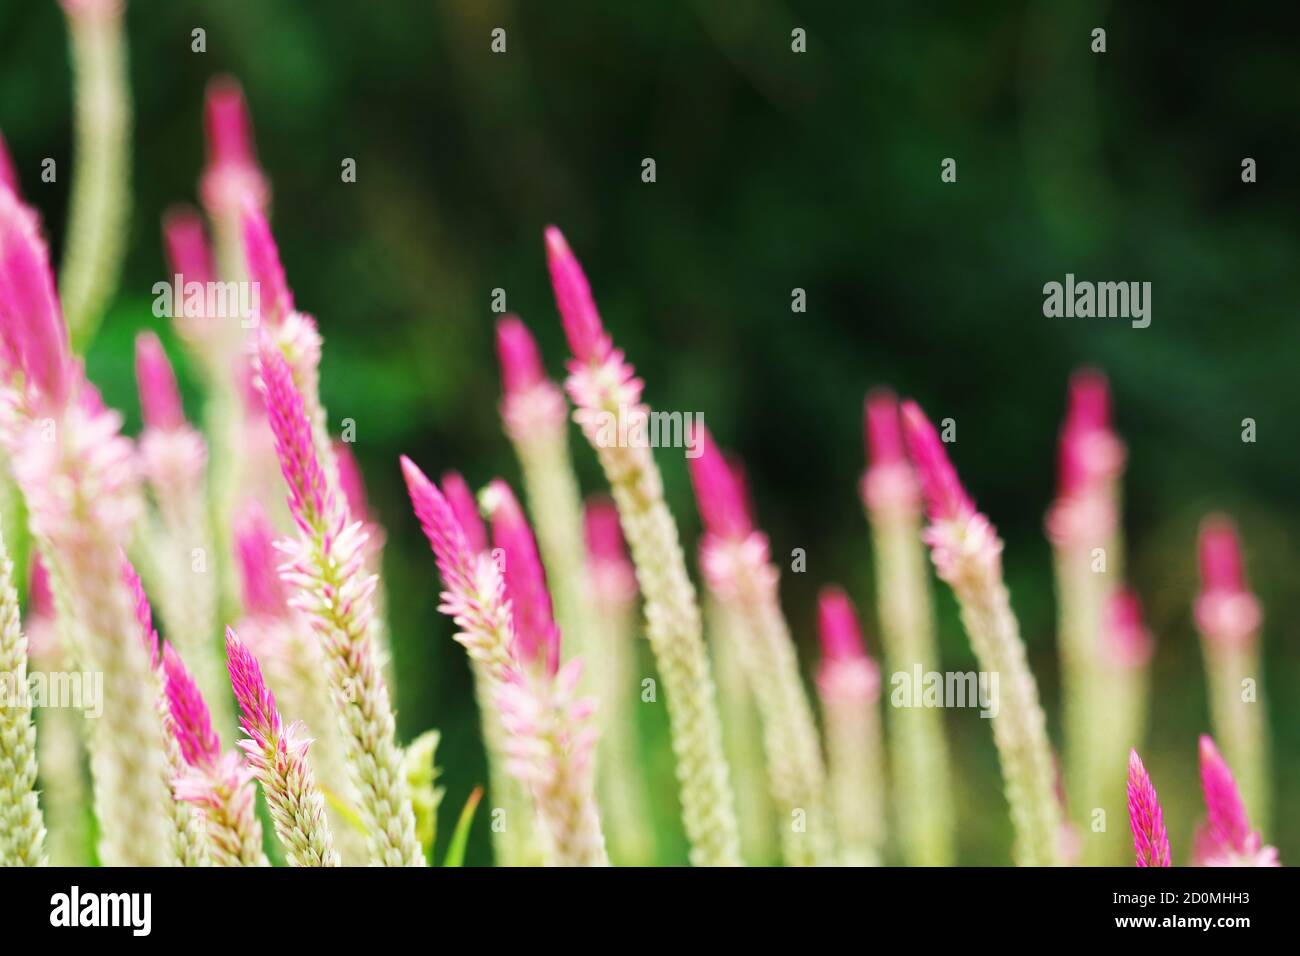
<point>775,171</point>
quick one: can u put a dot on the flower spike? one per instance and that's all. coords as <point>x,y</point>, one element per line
<point>1150,841</point>
<point>160,399</point>
<point>537,639</point>
<point>1226,837</point>
<point>582,325</point>
<point>465,508</point>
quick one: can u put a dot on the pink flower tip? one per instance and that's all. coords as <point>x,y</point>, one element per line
<point>537,639</point>
<point>1129,642</point>
<point>582,325</point>
<point>1089,450</point>
<point>8,174</point>
<point>254,538</point>
<point>521,362</point>
<point>39,593</point>
<point>465,507</point>
<point>188,251</point>
<point>309,496</point>
<point>264,267</point>
<point>229,129</point>
<point>604,532</point>
<point>944,494</point>
<point>720,492</point>
<point>143,612</point>
<point>32,329</point>
<point>837,626</point>
<point>191,721</point>
<point>1150,840</point>
<point>160,399</point>
<point>1220,554</point>
<point>884,435</point>
<point>259,718</point>
<point>440,524</point>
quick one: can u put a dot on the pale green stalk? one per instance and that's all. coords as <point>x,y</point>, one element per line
<point>98,212</point>
<point>856,776</point>
<point>22,828</point>
<point>514,837</point>
<point>1238,713</point>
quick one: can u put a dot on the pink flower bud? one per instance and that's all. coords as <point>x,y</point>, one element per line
<point>258,714</point>
<point>231,177</point>
<point>537,639</point>
<point>1226,839</point>
<point>1147,820</point>
<point>1225,610</point>
<point>186,242</point>
<point>884,434</point>
<point>261,588</point>
<point>944,495</point>
<point>604,532</point>
<point>264,268</point>
<point>582,325</point>
<point>719,495</point>
<point>160,399</point>
<point>1127,641</point>
<point>1089,450</point>
<point>837,625</point>
<point>310,500</point>
<point>465,508</point>
<point>191,721</point>
<point>521,362</point>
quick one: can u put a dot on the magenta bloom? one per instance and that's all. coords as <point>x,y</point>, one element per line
<point>1226,838</point>
<point>191,721</point>
<point>521,362</point>
<point>604,533</point>
<point>1150,841</point>
<point>720,492</point>
<point>1127,640</point>
<point>884,434</point>
<point>32,329</point>
<point>1089,450</point>
<point>259,717</point>
<point>186,242</point>
<point>582,325</point>
<point>1226,611</point>
<point>232,175</point>
<point>846,671</point>
<point>160,399</point>
<point>310,499</point>
<point>254,537</point>
<point>264,267</point>
<point>537,638</point>
<point>944,494</point>
<point>8,175</point>
<point>143,612</point>
<point>465,508</point>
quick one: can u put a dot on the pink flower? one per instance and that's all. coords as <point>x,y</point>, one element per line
<point>191,720</point>
<point>160,399</point>
<point>264,268</point>
<point>260,719</point>
<point>719,493</point>
<point>944,495</point>
<point>846,669</point>
<point>1127,640</point>
<point>8,175</point>
<point>465,508</point>
<point>310,499</point>
<point>521,362</point>
<point>537,638</point>
<point>1089,450</point>
<point>143,612</point>
<point>232,175</point>
<point>1225,610</point>
<point>1226,838</point>
<point>262,590</point>
<point>31,322</point>
<point>186,242</point>
<point>582,326</point>
<point>1150,841</point>
<point>889,483</point>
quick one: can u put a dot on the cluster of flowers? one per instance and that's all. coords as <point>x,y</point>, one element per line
<point>293,561</point>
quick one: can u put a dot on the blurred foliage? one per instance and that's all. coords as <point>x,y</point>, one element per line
<point>775,171</point>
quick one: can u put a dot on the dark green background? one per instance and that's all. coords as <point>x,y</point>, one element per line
<point>775,170</point>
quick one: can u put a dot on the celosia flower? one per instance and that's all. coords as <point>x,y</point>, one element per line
<point>967,554</point>
<point>607,394</point>
<point>465,508</point>
<point>537,639</point>
<point>232,174</point>
<point>1127,642</point>
<point>918,750</point>
<point>1226,838</point>
<point>1150,841</point>
<point>613,578</point>
<point>278,757</point>
<point>326,566</point>
<point>739,571</point>
<point>849,684</point>
<point>1226,611</point>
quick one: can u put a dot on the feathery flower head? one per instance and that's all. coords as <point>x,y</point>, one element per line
<point>719,494</point>
<point>1127,640</point>
<point>260,719</point>
<point>846,669</point>
<point>944,494</point>
<point>160,399</point>
<point>262,590</point>
<point>537,638</point>
<point>465,508</point>
<point>186,241</point>
<point>191,721</point>
<point>1090,453</point>
<point>1150,841</point>
<point>8,174</point>
<point>438,520</point>
<point>582,326</point>
<point>31,320</point>
<point>612,574</point>
<point>521,362</point>
<point>889,483</point>
<point>143,612</point>
<point>232,174</point>
<point>264,267</point>
<point>310,498</point>
<point>1226,839</point>
<point>1225,610</point>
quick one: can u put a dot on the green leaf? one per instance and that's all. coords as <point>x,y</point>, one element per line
<point>460,837</point>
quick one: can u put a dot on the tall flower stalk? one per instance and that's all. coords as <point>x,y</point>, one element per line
<point>78,478</point>
<point>22,827</point>
<point>967,554</point>
<point>607,395</point>
<point>848,682</point>
<point>536,418</point>
<point>1146,819</point>
<point>621,777</point>
<point>738,569</point>
<point>1083,527</point>
<point>101,178</point>
<point>325,564</point>
<point>918,751</point>
<point>515,844</point>
<point>505,621</point>
<point>1229,617</point>
<point>182,556</point>
<point>278,757</point>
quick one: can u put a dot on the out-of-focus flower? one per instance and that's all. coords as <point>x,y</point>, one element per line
<point>1226,837</point>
